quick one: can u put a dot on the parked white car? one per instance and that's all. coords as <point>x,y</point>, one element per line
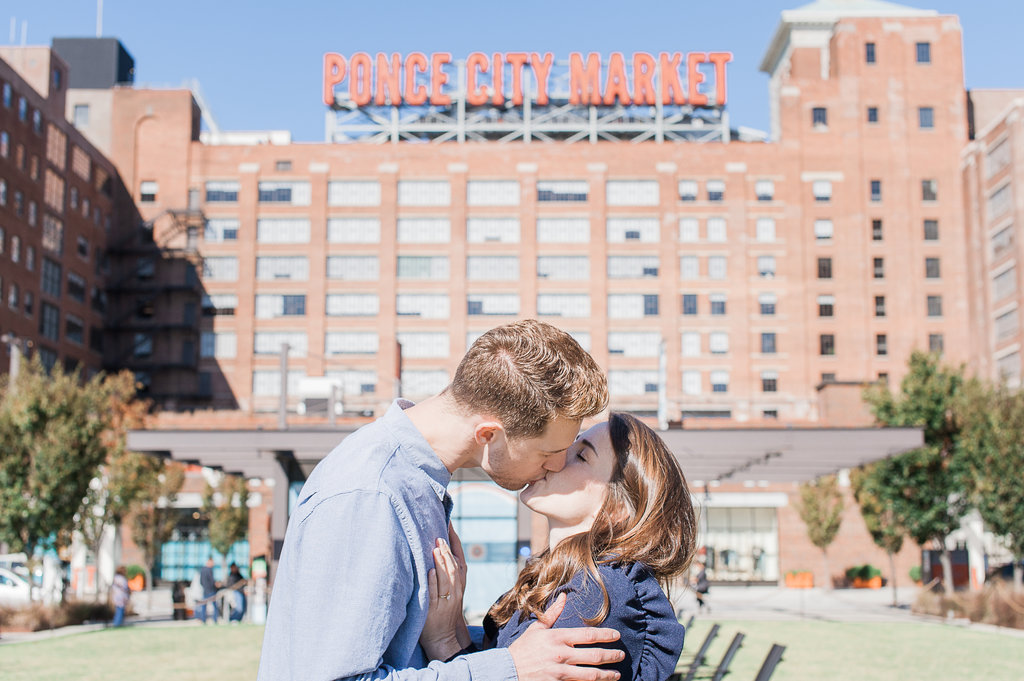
<point>14,590</point>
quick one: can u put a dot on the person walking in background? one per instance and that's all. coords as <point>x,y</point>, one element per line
<point>236,583</point>
<point>121,593</point>
<point>701,586</point>
<point>209,587</point>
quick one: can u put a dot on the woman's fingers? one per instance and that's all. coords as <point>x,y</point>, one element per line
<point>432,588</point>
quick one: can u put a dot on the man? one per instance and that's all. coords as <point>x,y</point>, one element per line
<point>350,594</point>
<point>209,587</point>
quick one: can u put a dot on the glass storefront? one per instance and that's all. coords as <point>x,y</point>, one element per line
<point>742,544</point>
<point>485,518</point>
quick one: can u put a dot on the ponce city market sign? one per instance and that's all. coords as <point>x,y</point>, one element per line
<point>416,80</point>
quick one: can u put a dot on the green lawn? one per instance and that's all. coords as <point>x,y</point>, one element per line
<point>816,651</point>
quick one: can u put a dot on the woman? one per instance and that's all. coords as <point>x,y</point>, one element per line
<point>620,522</point>
<point>122,593</point>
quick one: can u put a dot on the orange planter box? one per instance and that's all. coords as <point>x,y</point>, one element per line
<point>800,580</point>
<point>873,583</point>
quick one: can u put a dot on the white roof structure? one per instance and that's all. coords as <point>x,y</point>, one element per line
<point>824,14</point>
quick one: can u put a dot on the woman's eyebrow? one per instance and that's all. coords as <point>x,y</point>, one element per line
<point>584,441</point>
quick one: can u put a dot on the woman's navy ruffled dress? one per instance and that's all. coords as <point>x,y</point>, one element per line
<point>652,638</point>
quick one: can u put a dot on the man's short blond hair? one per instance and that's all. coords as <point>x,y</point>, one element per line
<point>527,373</point>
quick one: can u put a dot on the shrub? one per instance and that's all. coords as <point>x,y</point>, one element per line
<point>995,604</point>
<point>865,572</point>
<point>133,571</point>
<point>38,617</point>
<point>915,573</point>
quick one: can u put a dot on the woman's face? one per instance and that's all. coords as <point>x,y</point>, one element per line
<point>574,495</point>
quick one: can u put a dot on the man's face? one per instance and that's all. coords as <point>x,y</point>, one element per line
<point>513,464</point>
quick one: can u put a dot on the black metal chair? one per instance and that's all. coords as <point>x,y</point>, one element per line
<point>698,659</point>
<point>723,666</point>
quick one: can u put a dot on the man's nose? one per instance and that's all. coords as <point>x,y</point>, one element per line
<point>555,462</point>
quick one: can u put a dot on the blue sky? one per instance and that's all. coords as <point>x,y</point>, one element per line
<point>259,62</point>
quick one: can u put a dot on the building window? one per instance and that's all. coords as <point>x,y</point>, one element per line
<point>768,346</point>
<point>689,267</point>
<point>876,230</point>
<point>492,268</point>
<point>143,345</point>
<point>764,190</point>
<point>222,192</point>
<point>270,342</point>
<point>492,193</point>
<point>7,95</point>
<point>434,267</point>
<point>879,306</point>
<point>492,230</point>
<point>869,53</point>
<point>353,267</point>
<point>563,305</point>
<point>689,304</point>
<point>924,53</point>
<point>769,381</point>
<point>828,377</point>
<point>425,306</point>
<point>691,383</point>
<point>218,345</point>
<point>492,304</point>
<point>563,230</point>
<point>650,305</point>
<point>931,268</point>
<point>931,230</point>
<point>718,343</point>
<point>274,305</point>
<point>632,266</point>
<point>934,306</point>
<point>291,193</point>
<point>925,117</point>
<point>631,193</point>
<point>827,344</point>
<point>282,166</point>
<point>929,190</point>
<point>878,265</point>
<point>998,201</point>
<point>717,304</point>
<point>353,230</point>
<point>766,303</point>
<point>634,344</point>
<point>562,191</point>
<point>1004,284</point>
<point>425,345</point>
<point>819,117</point>
<point>364,305</point>
<point>765,230</point>
<point>716,191</point>
<point>567,267</point>
<point>689,230</point>
<point>766,266</point>
<point>717,267</point>
<point>424,230</point>
<point>691,344</point>
<point>49,319</point>
<point>826,306</point>
<point>282,230</point>
<point>716,228</point>
<point>639,230</point>
<point>30,303</point>
<point>823,230</point>
<point>363,343</point>
<point>76,286</point>
<point>719,381</point>
<point>872,114</point>
<point>148,191</point>
<point>51,278</point>
<point>276,268</point>
<point>22,109</point>
<point>688,190</point>
<point>935,342</point>
<point>632,306</point>
<point>219,304</point>
<point>876,190</point>
<point>824,268</point>
<point>881,344</point>
<point>822,190</point>
<point>353,193</point>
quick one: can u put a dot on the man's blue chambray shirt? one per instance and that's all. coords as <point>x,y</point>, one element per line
<point>350,594</point>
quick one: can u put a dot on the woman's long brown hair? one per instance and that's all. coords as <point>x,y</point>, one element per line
<point>647,517</point>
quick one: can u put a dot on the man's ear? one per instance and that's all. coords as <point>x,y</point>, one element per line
<point>485,432</point>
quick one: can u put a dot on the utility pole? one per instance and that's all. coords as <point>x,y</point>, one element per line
<point>282,409</point>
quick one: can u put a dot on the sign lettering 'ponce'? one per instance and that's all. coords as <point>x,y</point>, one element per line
<point>390,80</point>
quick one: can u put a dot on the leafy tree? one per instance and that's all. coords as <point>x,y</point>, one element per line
<point>54,429</point>
<point>228,511</point>
<point>886,528</point>
<point>121,478</point>
<point>153,514</point>
<point>821,509</point>
<point>924,487</point>
<point>993,450</point>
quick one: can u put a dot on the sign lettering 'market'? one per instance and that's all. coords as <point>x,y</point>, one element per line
<point>393,81</point>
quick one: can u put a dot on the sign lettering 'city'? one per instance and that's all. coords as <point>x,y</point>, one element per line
<point>391,80</point>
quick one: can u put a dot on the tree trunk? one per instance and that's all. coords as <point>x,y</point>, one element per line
<point>892,572</point>
<point>149,588</point>
<point>947,570</point>
<point>1018,575</point>
<point>828,570</point>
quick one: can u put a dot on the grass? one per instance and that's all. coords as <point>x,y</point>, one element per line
<point>815,651</point>
<point>856,651</point>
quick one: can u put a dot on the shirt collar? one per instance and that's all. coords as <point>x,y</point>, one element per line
<point>419,452</point>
